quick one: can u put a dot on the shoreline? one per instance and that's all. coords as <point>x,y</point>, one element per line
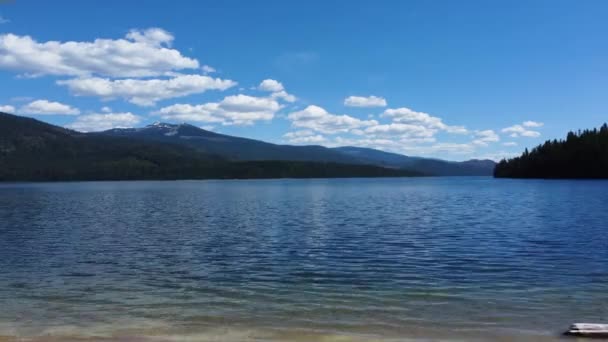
<point>229,334</point>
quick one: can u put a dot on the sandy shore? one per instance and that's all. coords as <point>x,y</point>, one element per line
<point>228,334</point>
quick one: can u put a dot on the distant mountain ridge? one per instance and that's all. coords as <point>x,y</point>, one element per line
<point>34,150</point>
<point>436,167</point>
<point>244,149</point>
<point>226,146</point>
<point>31,150</point>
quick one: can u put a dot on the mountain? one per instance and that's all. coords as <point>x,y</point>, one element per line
<point>582,155</point>
<point>436,167</point>
<point>242,149</point>
<point>31,150</point>
<point>226,146</point>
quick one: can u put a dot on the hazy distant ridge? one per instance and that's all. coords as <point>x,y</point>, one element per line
<point>243,149</point>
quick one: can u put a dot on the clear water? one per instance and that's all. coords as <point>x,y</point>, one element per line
<point>305,260</point>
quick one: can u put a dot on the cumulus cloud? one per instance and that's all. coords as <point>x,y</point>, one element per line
<point>304,137</point>
<point>283,95</point>
<point>455,129</point>
<point>522,130</point>
<point>377,143</point>
<point>401,130</point>
<point>318,119</point>
<point>104,121</point>
<point>407,128</point>
<point>232,110</point>
<point>482,138</point>
<point>361,101</point>
<point>408,132</point>
<point>141,53</point>
<point>277,89</point>
<point>271,85</point>
<point>244,103</point>
<point>498,155</point>
<point>45,107</point>
<point>453,148</point>
<point>208,69</point>
<point>406,115</point>
<point>533,124</point>
<point>145,92</point>
<point>152,36</point>
<point>7,109</point>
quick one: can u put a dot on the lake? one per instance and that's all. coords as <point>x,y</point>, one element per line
<point>303,260</point>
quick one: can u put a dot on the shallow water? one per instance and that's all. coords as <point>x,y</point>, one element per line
<point>305,260</point>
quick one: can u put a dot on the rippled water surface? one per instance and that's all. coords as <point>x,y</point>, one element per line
<point>357,259</point>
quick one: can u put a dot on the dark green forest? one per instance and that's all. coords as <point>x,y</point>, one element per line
<point>583,154</point>
<point>31,150</point>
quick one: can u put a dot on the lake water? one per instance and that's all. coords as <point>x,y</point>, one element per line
<point>303,260</point>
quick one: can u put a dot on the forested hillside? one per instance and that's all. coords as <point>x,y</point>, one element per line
<point>583,154</point>
<point>31,150</point>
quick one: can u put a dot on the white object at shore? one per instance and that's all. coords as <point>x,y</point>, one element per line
<point>588,330</point>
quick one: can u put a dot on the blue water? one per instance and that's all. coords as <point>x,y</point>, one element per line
<point>359,259</point>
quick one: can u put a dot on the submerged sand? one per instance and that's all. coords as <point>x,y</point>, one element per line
<point>229,334</point>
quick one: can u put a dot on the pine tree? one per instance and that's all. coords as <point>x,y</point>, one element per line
<point>583,154</point>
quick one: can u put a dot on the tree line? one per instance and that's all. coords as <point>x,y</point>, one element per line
<point>583,154</point>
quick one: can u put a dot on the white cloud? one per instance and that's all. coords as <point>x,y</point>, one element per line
<point>141,53</point>
<point>377,143</point>
<point>284,96</point>
<point>304,137</point>
<point>369,101</point>
<point>208,69</point>
<point>277,89</point>
<point>318,119</point>
<point>498,156</point>
<point>532,124</point>
<point>401,130</point>
<point>406,115</point>
<point>271,85</point>
<point>232,110</point>
<point>101,122</point>
<point>530,134</point>
<point>454,148</point>
<point>3,20</point>
<point>45,107</point>
<point>509,143</point>
<point>519,130</point>
<point>152,36</point>
<point>456,129</point>
<point>407,129</point>
<point>299,134</point>
<point>145,92</point>
<point>106,109</point>
<point>482,138</point>
<point>7,109</point>
<point>244,103</point>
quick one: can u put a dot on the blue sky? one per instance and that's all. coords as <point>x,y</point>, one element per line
<point>448,79</point>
